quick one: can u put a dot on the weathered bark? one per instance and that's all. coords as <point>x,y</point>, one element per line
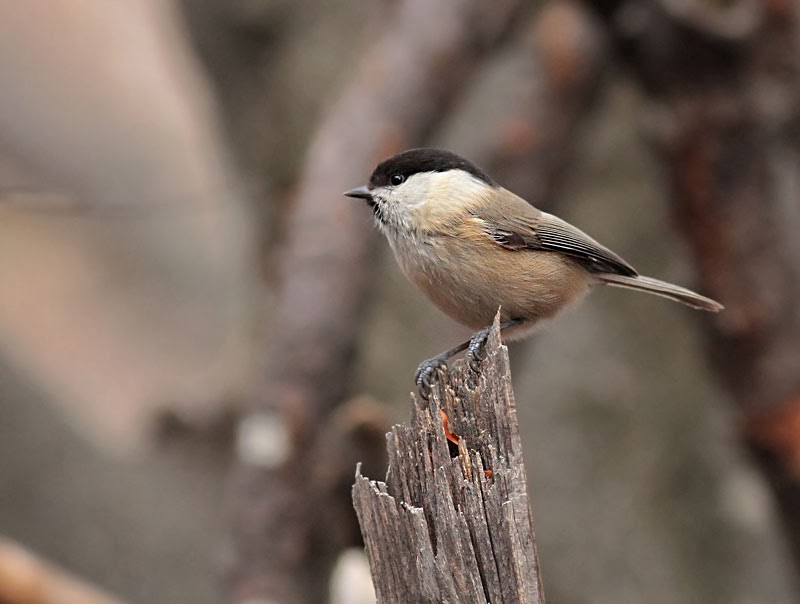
<point>724,82</point>
<point>454,529</point>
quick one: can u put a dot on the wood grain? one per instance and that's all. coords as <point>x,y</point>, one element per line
<point>441,528</point>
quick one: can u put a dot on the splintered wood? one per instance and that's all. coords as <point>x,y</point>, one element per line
<point>454,529</point>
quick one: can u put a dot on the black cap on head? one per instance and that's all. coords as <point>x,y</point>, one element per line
<point>415,161</point>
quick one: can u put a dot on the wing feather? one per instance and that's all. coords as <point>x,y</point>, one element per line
<point>545,232</point>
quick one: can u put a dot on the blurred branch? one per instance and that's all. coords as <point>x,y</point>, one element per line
<point>26,579</point>
<point>565,61</point>
<point>460,529</point>
<point>724,80</point>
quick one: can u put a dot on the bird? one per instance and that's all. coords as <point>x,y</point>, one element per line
<point>474,247</point>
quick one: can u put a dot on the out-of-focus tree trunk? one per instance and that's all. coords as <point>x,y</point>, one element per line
<point>124,244</point>
<point>723,80</point>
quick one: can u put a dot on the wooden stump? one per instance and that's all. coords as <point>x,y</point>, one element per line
<point>454,528</point>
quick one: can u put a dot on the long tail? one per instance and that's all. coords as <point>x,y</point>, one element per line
<point>662,288</point>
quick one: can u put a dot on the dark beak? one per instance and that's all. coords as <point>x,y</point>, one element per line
<point>361,192</point>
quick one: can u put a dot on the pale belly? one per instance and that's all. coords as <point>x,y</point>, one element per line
<point>470,283</point>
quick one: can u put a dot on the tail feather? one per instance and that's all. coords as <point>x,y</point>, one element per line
<point>662,288</point>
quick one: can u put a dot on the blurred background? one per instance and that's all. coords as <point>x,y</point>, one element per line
<point>200,337</point>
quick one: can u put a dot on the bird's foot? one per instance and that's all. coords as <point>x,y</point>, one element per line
<point>426,374</point>
<point>476,351</point>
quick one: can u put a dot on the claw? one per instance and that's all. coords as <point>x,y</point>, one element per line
<point>474,365</point>
<point>424,390</point>
<point>426,375</point>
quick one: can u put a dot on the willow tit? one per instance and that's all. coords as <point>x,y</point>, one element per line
<point>472,246</point>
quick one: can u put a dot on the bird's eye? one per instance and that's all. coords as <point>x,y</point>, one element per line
<point>396,179</point>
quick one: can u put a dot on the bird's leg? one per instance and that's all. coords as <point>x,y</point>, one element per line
<point>475,346</point>
<point>476,349</point>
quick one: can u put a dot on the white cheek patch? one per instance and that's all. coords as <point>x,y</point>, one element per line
<point>455,187</point>
<point>413,193</point>
<point>428,199</point>
<point>450,194</point>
